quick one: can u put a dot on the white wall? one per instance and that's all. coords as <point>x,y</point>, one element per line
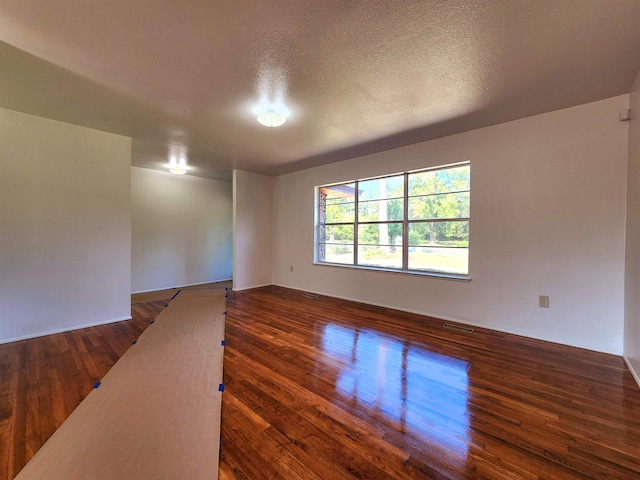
<point>548,196</point>
<point>252,229</point>
<point>65,229</point>
<point>632,272</point>
<point>181,230</point>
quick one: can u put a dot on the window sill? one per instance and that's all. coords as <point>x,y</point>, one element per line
<point>444,276</point>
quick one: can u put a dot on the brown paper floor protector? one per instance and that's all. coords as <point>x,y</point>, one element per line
<point>171,292</point>
<point>156,414</point>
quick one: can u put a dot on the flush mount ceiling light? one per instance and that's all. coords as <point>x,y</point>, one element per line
<point>178,167</point>
<point>271,118</point>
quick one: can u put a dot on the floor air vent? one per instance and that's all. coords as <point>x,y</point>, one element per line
<point>456,327</point>
<point>309,295</point>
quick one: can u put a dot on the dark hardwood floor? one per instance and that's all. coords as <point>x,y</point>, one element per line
<point>44,379</point>
<point>330,389</point>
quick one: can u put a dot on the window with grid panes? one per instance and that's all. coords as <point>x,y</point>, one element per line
<point>415,222</point>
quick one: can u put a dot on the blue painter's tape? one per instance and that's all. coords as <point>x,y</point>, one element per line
<point>221,387</point>
<point>224,342</point>
<point>97,384</point>
<point>134,342</point>
<point>225,313</point>
<point>226,288</point>
<point>152,321</point>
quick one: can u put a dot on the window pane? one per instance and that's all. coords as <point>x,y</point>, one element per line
<point>339,213</point>
<point>381,210</point>
<point>337,254</point>
<point>380,256</point>
<point>339,193</point>
<point>342,234</point>
<point>381,188</point>
<point>337,203</point>
<point>447,205</point>
<point>380,234</point>
<point>439,181</point>
<point>444,234</point>
<point>441,260</point>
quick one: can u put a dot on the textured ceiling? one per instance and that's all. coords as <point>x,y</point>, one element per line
<point>358,76</point>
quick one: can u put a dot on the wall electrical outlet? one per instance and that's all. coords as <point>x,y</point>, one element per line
<point>291,268</point>
<point>543,301</point>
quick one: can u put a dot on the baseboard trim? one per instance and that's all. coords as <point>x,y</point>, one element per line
<point>255,286</point>
<point>62,330</point>
<point>635,374</point>
<point>172,287</point>
<point>456,320</point>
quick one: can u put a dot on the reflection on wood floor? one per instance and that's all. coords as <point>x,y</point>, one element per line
<point>325,388</point>
<point>321,388</point>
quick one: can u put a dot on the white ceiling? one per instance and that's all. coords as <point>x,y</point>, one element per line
<point>358,76</point>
